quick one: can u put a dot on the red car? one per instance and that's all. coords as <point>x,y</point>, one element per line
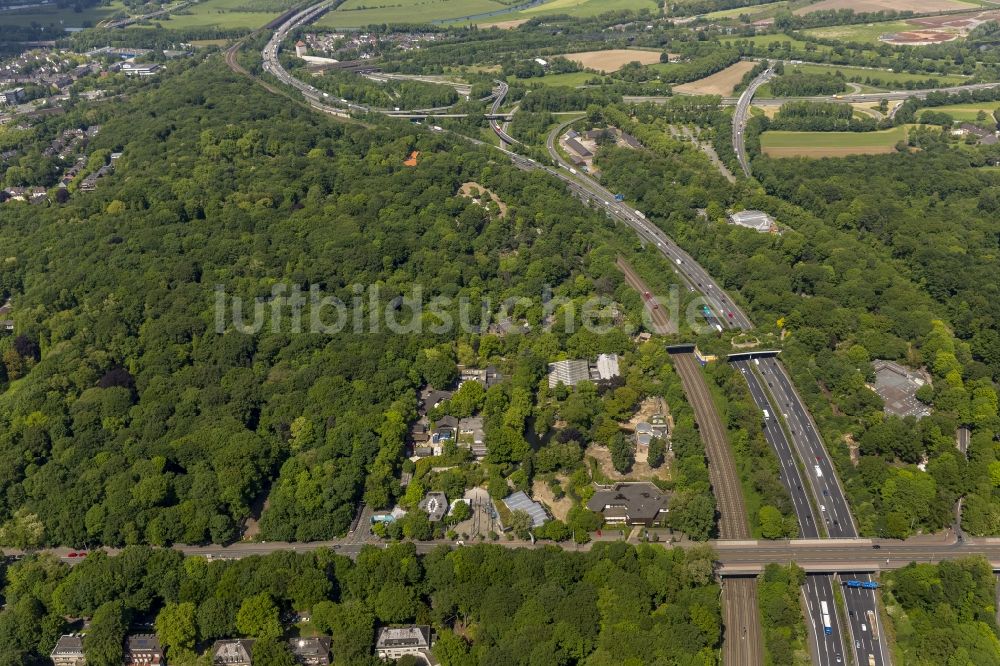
<point>72,554</point>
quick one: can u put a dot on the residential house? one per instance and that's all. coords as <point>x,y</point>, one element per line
<point>435,504</point>
<point>311,651</point>
<point>630,504</point>
<point>11,96</point>
<point>646,431</point>
<point>445,430</point>
<point>472,436</point>
<point>300,48</point>
<point>397,642</point>
<point>578,148</point>
<point>68,651</point>
<point>143,650</point>
<point>233,652</point>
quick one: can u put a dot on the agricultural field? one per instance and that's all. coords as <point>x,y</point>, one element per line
<point>864,6</point>
<point>720,83</point>
<point>830,144</point>
<point>61,18</point>
<point>780,39</point>
<point>911,32</point>
<point>580,8</point>
<point>612,60</point>
<point>966,112</point>
<point>225,14</point>
<point>358,13</point>
<point>862,32</point>
<point>755,11</point>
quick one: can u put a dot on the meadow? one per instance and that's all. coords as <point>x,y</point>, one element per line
<point>225,14</point>
<point>884,75</point>
<point>966,112</point>
<point>62,17</point>
<point>830,144</point>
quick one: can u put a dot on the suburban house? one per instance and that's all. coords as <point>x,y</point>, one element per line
<point>606,367</point>
<point>310,651</point>
<point>68,651</point>
<point>435,504</point>
<point>11,96</point>
<point>143,650</point>
<point>630,504</point>
<point>300,48</point>
<point>487,377</point>
<point>396,642</point>
<point>233,652</point>
<point>645,431</point>
<point>445,430</point>
<point>520,501</point>
<point>472,436</point>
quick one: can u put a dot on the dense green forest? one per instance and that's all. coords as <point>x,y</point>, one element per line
<point>944,613</point>
<point>613,605</point>
<point>127,418</point>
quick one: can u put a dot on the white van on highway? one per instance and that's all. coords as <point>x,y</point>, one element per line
<point>819,472</point>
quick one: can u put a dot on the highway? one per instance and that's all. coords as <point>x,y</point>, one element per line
<point>818,588</point>
<point>740,118</point>
<point>828,494</point>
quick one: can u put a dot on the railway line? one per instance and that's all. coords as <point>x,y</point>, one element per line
<point>658,318</point>
<point>741,616</point>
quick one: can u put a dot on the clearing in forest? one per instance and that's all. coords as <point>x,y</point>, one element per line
<point>830,144</point>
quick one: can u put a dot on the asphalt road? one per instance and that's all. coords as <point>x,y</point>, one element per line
<point>740,118</point>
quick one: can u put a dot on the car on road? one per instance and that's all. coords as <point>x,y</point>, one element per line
<point>876,546</point>
<point>864,627</point>
<point>857,644</point>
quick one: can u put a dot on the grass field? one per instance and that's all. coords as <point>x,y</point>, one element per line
<point>756,11</point>
<point>830,144</point>
<point>62,18</point>
<point>865,6</point>
<point>862,32</point>
<point>571,79</point>
<point>580,8</point>
<point>221,14</point>
<point>357,13</point>
<point>966,112</point>
<point>720,83</point>
<point>766,40</point>
<point>891,78</point>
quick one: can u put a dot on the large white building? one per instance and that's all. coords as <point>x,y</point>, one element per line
<point>757,220</point>
<point>397,642</point>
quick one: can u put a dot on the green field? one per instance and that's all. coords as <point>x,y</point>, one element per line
<point>966,112</point>
<point>867,32</point>
<point>357,13</point>
<point>224,14</point>
<point>62,18</point>
<point>572,79</point>
<point>756,11</point>
<point>830,144</point>
<point>885,75</point>
<point>764,40</point>
<point>581,8</point>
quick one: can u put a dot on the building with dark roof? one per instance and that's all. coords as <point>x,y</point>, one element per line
<point>578,148</point>
<point>630,504</point>
<point>313,651</point>
<point>143,650</point>
<point>397,642</point>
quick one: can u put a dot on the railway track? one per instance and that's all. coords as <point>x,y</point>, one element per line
<point>658,318</point>
<point>721,468</point>
<point>743,644</point>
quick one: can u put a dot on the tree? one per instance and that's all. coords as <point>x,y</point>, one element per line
<point>460,513</point>
<point>271,652</point>
<point>350,624</point>
<point>520,523</point>
<point>395,603</point>
<point>693,514</point>
<point>622,452</point>
<point>258,617</point>
<point>104,643</point>
<point>772,525</point>
<point>24,530</point>
<point>176,626</point>
<point>657,452</point>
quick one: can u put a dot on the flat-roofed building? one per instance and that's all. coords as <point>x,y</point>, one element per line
<point>569,372</point>
<point>757,220</point>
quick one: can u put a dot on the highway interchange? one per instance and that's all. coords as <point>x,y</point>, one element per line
<point>799,444</point>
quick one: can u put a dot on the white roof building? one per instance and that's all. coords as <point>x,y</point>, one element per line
<point>607,366</point>
<point>757,220</point>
